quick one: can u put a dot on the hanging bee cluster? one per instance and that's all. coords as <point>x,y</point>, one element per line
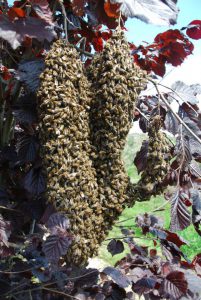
<point>158,162</point>
<point>63,105</point>
<point>83,126</point>
<point>116,84</point>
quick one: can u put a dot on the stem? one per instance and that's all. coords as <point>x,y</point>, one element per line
<point>65,19</point>
<point>83,52</point>
<point>175,114</point>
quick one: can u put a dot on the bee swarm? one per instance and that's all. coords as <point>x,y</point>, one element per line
<point>158,159</point>
<point>116,83</point>
<point>64,101</point>
<point>83,126</point>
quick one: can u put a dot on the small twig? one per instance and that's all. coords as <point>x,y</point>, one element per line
<point>132,218</point>
<point>173,112</point>
<point>141,113</point>
<point>161,206</point>
<point>195,171</point>
<point>65,19</point>
<point>83,52</point>
<point>129,236</point>
<point>59,293</point>
<point>187,103</point>
<point>32,227</point>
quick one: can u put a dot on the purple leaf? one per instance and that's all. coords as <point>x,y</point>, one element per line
<point>144,285</point>
<point>4,198</point>
<point>158,12</point>
<point>175,284</point>
<point>180,216</point>
<point>15,32</point>
<point>117,277</point>
<point>141,157</point>
<point>171,123</point>
<point>87,277</point>
<point>42,9</point>
<point>115,247</point>
<point>34,181</point>
<point>29,71</point>
<point>24,109</point>
<point>183,93</point>
<point>27,147</point>
<point>58,220</point>
<point>196,210</point>
<point>56,245</point>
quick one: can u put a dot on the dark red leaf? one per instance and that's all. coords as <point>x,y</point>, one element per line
<point>115,247</point>
<point>175,284</point>
<point>78,7</point>
<point>153,252</point>
<point>194,30</point>
<point>112,10</point>
<point>97,43</point>
<point>175,238</point>
<point>15,13</point>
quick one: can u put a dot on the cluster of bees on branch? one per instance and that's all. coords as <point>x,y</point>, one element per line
<point>84,119</point>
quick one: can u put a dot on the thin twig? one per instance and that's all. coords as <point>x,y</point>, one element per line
<point>187,103</point>
<point>32,227</point>
<point>173,112</point>
<point>141,113</point>
<point>59,293</point>
<point>65,19</point>
<point>132,218</point>
<point>83,52</point>
<point>161,206</point>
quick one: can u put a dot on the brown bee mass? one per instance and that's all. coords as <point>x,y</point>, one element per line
<point>158,162</point>
<point>83,127</point>
<point>64,101</point>
<point>116,83</point>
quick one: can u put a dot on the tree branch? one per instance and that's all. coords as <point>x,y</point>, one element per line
<point>174,113</point>
<point>65,19</point>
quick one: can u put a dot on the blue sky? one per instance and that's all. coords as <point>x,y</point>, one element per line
<point>139,31</point>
